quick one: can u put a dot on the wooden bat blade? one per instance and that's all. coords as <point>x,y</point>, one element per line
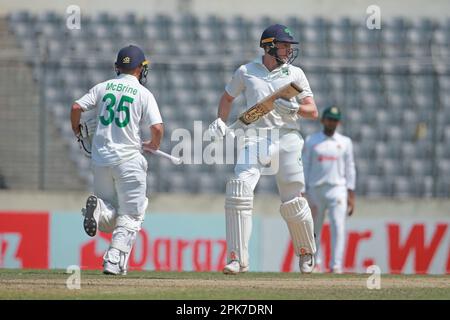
<point>266,105</point>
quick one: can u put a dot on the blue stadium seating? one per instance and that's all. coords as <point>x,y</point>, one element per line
<point>377,77</point>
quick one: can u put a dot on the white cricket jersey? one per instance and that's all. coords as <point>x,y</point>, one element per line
<point>329,160</point>
<point>123,105</point>
<point>257,82</point>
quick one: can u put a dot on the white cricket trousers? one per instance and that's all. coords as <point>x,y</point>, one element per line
<point>283,161</point>
<point>124,186</point>
<point>333,199</point>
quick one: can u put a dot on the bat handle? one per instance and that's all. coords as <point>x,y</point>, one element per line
<point>165,155</point>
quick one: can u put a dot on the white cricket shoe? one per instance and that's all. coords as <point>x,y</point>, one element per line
<point>111,268</point>
<point>234,268</point>
<point>111,263</point>
<point>306,263</point>
<point>91,215</point>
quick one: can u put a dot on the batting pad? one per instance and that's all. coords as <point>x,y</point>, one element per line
<point>297,215</point>
<point>120,248</point>
<point>238,215</point>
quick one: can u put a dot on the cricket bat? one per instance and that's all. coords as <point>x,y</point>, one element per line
<point>264,106</point>
<point>160,153</point>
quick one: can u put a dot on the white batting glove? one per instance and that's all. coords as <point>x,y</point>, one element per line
<point>218,129</point>
<point>286,107</point>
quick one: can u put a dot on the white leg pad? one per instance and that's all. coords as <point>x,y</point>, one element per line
<point>120,249</point>
<point>238,215</point>
<point>123,239</point>
<point>297,215</point>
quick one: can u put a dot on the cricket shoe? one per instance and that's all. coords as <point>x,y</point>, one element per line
<point>234,268</point>
<point>111,263</point>
<point>306,263</point>
<point>113,269</point>
<point>91,215</point>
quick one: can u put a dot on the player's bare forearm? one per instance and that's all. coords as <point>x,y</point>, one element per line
<point>157,131</point>
<point>308,109</point>
<point>225,106</point>
<point>75,116</point>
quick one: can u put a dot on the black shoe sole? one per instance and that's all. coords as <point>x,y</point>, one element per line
<point>109,273</point>
<point>89,224</point>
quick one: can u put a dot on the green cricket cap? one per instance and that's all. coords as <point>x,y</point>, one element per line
<point>332,113</point>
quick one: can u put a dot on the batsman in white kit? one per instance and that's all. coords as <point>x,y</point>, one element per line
<point>119,201</point>
<point>257,80</point>
<point>330,183</point>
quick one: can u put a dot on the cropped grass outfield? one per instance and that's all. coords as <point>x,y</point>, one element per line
<point>51,284</point>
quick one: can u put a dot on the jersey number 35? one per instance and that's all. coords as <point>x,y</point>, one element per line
<point>111,115</point>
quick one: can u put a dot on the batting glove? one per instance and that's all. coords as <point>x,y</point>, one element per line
<point>286,107</point>
<point>218,129</point>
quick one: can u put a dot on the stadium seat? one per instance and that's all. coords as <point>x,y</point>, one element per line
<point>363,150</point>
<point>368,135</point>
<point>374,187</point>
<point>391,37</point>
<point>263,22</point>
<point>423,186</point>
<point>365,37</point>
<point>397,23</point>
<point>127,19</point>
<point>313,34</point>
<point>20,16</point>
<point>294,23</point>
<point>446,135</point>
<point>389,167</point>
<point>444,168</point>
<point>364,167</point>
<point>368,83</point>
<point>104,17</point>
<point>443,186</point>
<point>420,167</point>
<point>130,32</point>
<point>402,187</point>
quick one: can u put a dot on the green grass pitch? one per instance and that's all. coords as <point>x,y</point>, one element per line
<point>51,284</point>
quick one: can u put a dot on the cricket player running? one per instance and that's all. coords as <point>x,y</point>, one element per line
<point>330,183</point>
<point>119,202</point>
<point>257,80</point>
